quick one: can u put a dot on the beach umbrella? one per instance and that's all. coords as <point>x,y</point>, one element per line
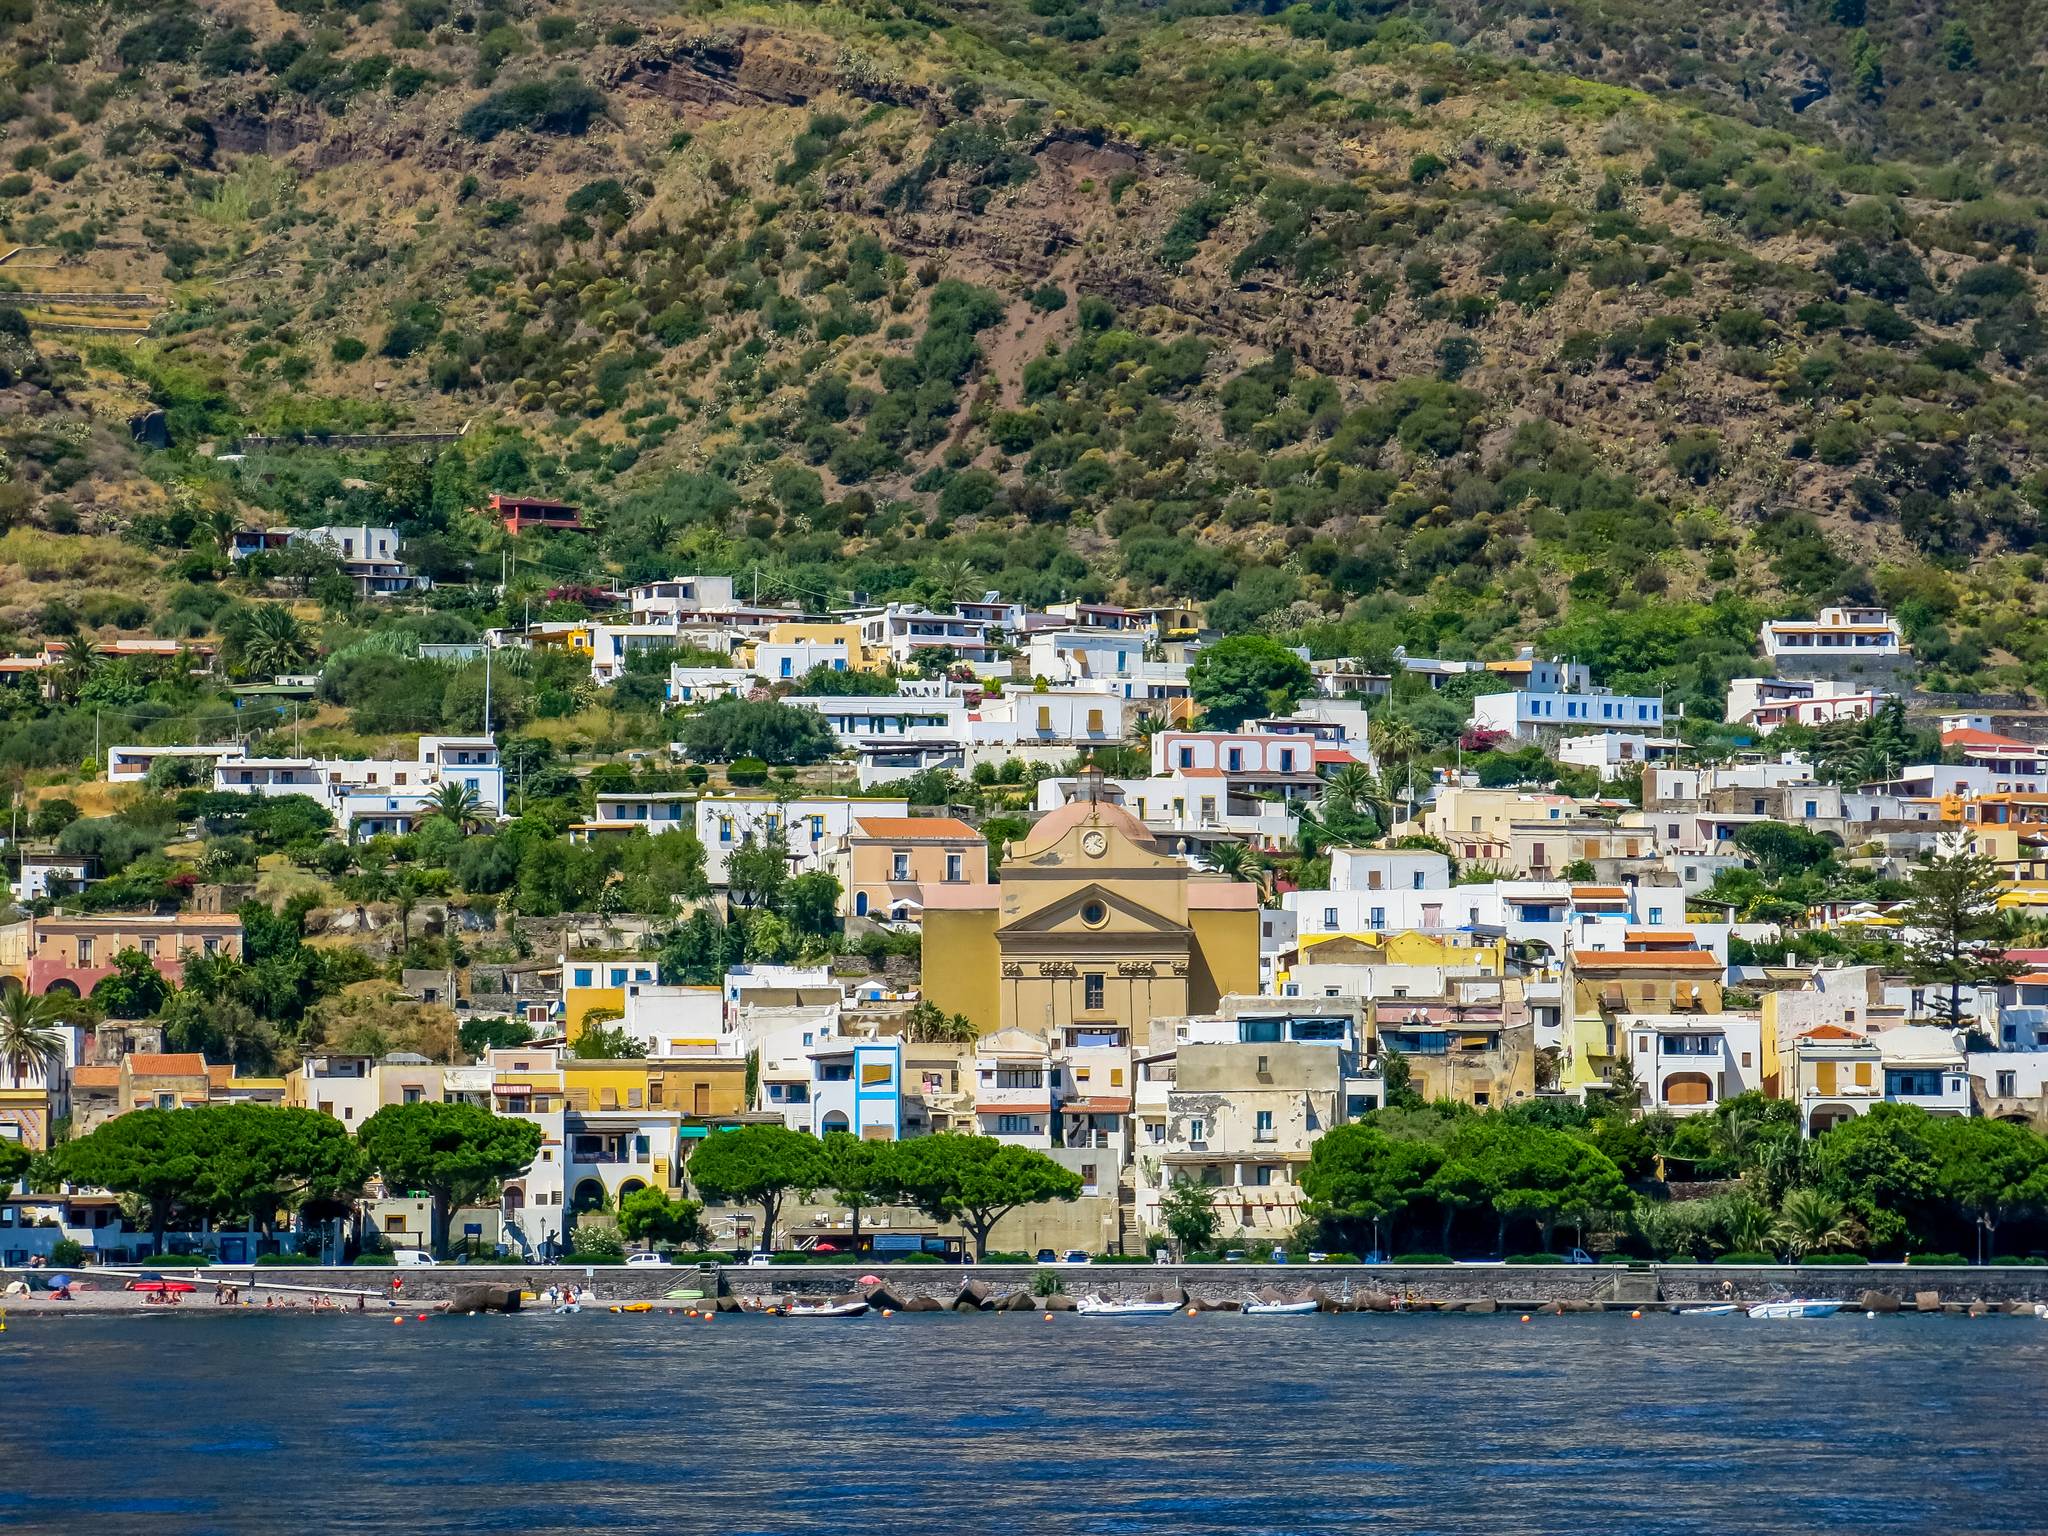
<point>870,1279</point>
<point>59,1282</point>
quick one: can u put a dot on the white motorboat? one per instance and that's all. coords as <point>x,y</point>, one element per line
<point>806,1307</point>
<point>1777,1309</point>
<point>1718,1309</point>
<point>568,1309</point>
<point>1102,1306</point>
<point>1279,1308</point>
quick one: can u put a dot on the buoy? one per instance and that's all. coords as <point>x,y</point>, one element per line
<point>1525,1317</point>
<point>888,1312</point>
<point>1870,1314</point>
<point>1637,1316</point>
<point>423,1317</point>
<point>396,1321</point>
<point>1191,1311</point>
<point>1048,1317</point>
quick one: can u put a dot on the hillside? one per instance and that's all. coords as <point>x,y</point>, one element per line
<point>1433,325</point>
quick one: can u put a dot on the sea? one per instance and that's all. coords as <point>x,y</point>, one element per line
<point>1016,1424</point>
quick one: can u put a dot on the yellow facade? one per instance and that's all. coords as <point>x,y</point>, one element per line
<point>1093,926</point>
<point>1603,986</point>
<point>859,656</point>
<point>1469,951</point>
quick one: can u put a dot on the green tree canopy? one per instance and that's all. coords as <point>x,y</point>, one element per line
<point>1246,675</point>
<point>1189,1211</point>
<point>765,728</point>
<point>1358,1175</point>
<point>454,1154</point>
<point>859,1173</point>
<point>757,1165</point>
<point>651,1216</point>
<point>977,1181</point>
<point>1952,918</point>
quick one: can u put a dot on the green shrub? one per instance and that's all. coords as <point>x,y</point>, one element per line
<point>1001,1257</point>
<point>275,1260</point>
<point>375,1258</point>
<point>67,1253</point>
<point>1747,1258</point>
<point>1423,1258</point>
<point>15,186</point>
<point>919,1258</point>
<point>1535,1258</point>
<point>747,772</point>
<point>1123,1258</point>
<point>1340,1258</point>
<point>1936,1259</point>
<point>176,1261</point>
<point>2017,1262</point>
<point>1834,1258</point>
<point>347,349</point>
<point>563,106</point>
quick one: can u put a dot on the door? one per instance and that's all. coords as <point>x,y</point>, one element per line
<point>700,1100</point>
<point>1824,1076</point>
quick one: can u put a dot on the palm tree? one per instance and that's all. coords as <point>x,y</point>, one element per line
<point>1811,1222</point>
<point>1747,1225</point>
<point>1347,790</point>
<point>275,642</point>
<point>460,804</point>
<point>1393,740</point>
<point>31,1031</point>
<point>1239,862</point>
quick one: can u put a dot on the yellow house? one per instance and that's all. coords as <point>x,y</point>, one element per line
<point>1093,928</point>
<point>1601,986</point>
<point>860,657</point>
<point>577,638</point>
<point>596,985</point>
<point>1410,947</point>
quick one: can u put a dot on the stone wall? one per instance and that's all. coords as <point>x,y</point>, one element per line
<point>1508,1285</point>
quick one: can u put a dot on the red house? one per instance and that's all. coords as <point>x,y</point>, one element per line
<point>519,513</point>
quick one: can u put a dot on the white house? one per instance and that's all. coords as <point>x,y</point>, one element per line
<point>1839,633</point>
<point>904,630</point>
<point>1524,714</point>
<point>1690,1063</point>
<point>1389,869</point>
<point>810,825</point>
<point>677,1021</point>
<point>131,764</point>
<point>705,685</point>
<point>860,720</point>
<point>857,1087</point>
<point>1769,702</point>
<point>1614,753</point>
<point>369,796</point>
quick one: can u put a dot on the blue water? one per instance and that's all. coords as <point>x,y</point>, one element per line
<point>1010,1424</point>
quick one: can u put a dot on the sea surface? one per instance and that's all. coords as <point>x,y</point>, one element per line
<point>1016,1425</point>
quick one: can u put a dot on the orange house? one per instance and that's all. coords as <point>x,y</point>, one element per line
<point>885,863</point>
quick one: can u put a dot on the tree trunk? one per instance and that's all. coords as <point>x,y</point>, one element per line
<point>770,1204</point>
<point>1549,1230</point>
<point>1443,1242</point>
<point>854,1208</point>
<point>1500,1235</point>
<point>437,1225</point>
<point>159,1221</point>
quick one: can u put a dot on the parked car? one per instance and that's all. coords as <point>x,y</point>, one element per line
<point>760,1260</point>
<point>1074,1256</point>
<point>1580,1256</point>
<point>413,1258</point>
<point>1047,1256</point>
<point>1315,1257</point>
<point>1233,1256</point>
<point>645,1258</point>
<point>1277,1256</point>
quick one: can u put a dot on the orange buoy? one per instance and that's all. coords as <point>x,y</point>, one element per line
<point>888,1312</point>
<point>1048,1317</point>
<point>396,1321</point>
<point>1525,1317</point>
<point>1637,1316</point>
<point>1191,1311</point>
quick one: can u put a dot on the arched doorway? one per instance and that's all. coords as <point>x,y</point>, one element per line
<point>631,1186</point>
<point>834,1121</point>
<point>860,903</point>
<point>1687,1090</point>
<point>589,1196</point>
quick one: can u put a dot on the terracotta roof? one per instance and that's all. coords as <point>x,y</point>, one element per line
<point>95,1077</point>
<point>950,828</point>
<point>1969,736</point>
<point>220,1074</point>
<point>1832,1032</point>
<point>1597,892</point>
<point>1096,1107</point>
<point>1644,959</point>
<point>1659,936</point>
<point>167,1064</point>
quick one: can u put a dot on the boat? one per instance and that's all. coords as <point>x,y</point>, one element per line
<point>634,1306</point>
<point>805,1307</point>
<point>1719,1309</point>
<point>568,1308</point>
<point>1279,1308</point>
<point>1776,1309</point>
<point>1102,1306</point>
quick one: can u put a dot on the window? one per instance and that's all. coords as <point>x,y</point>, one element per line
<point>1092,991</point>
<point>1187,757</point>
<point>1094,914</point>
<point>1330,917</point>
<point>1262,1176</point>
<point>394,1223</point>
<point>1014,1125</point>
<point>954,868</point>
<point>1263,1129</point>
<point>1378,917</point>
<point>2008,1085</point>
<point>1234,760</point>
<point>1197,1132</point>
<point>1656,916</point>
<point>835,1071</point>
<point>1286,761</point>
<point>1417,881</point>
<point>85,952</point>
<point>414,1095</point>
<point>1094,722</point>
<point>899,865</point>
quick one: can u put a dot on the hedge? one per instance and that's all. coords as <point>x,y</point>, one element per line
<point>1834,1258</point>
<point>1424,1258</point>
<point>1748,1258</point>
<point>1936,1258</point>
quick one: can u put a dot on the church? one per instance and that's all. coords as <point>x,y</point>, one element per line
<point>1093,929</point>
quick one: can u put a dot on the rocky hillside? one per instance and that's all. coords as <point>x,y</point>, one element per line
<point>1442,325</point>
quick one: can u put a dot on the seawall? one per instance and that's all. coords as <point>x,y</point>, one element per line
<point>1505,1284</point>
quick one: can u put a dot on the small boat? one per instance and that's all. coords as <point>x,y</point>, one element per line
<point>1102,1306</point>
<point>1279,1308</point>
<point>803,1307</point>
<point>568,1308</point>
<point>1777,1309</point>
<point>634,1306</point>
<point>1719,1309</point>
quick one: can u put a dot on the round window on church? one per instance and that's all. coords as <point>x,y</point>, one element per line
<point>1094,914</point>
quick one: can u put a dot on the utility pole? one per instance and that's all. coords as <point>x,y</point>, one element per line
<point>95,739</point>
<point>487,687</point>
